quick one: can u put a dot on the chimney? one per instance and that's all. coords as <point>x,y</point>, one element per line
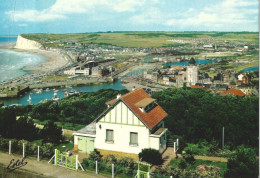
<point>118,96</point>
<point>133,88</point>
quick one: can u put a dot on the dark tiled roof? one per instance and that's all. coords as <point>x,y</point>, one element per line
<point>89,129</point>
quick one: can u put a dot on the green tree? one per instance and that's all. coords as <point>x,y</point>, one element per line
<point>51,133</point>
<point>196,114</point>
<point>245,163</point>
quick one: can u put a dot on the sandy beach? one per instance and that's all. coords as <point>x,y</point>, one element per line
<point>54,60</point>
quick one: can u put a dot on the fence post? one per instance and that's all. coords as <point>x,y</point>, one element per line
<point>148,174</point>
<point>23,150</point>
<point>10,145</point>
<point>112,170</point>
<point>170,176</point>
<point>55,157</point>
<point>174,147</point>
<point>38,157</point>
<point>96,167</point>
<point>177,143</point>
<point>77,158</point>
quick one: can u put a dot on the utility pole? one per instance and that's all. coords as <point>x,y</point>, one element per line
<point>223,139</point>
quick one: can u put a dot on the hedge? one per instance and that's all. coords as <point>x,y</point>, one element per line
<point>46,150</point>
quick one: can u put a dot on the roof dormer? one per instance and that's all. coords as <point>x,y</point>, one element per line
<point>145,104</point>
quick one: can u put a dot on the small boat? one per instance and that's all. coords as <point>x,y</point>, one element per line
<point>66,94</point>
<point>47,89</point>
<point>29,99</point>
<point>55,97</point>
<point>39,91</point>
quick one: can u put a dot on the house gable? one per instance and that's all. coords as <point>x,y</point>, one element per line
<point>150,119</point>
<point>120,114</point>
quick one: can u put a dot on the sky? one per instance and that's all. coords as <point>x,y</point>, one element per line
<point>80,16</point>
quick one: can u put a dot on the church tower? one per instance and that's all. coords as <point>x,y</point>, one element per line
<point>192,72</point>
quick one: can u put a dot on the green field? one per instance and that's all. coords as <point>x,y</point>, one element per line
<point>141,39</point>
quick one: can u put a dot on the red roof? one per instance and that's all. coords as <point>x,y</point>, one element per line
<point>150,118</point>
<point>195,86</point>
<point>235,92</point>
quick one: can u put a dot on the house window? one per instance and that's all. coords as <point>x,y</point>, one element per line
<point>148,107</point>
<point>134,138</point>
<point>109,136</point>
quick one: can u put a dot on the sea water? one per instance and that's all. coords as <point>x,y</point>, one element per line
<point>186,63</point>
<point>7,40</point>
<point>251,69</point>
<point>12,62</point>
<point>48,95</point>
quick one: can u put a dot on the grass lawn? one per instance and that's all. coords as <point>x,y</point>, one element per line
<point>63,146</point>
<point>55,78</point>
<point>221,165</point>
<point>197,150</point>
<point>70,126</point>
<point>66,125</point>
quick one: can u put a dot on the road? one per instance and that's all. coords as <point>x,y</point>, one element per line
<point>43,169</point>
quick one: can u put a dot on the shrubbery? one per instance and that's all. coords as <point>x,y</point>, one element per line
<point>244,163</point>
<point>151,156</point>
<point>211,172</point>
<point>189,156</point>
<point>46,150</point>
<point>123,165</point>
<point>95,155</point>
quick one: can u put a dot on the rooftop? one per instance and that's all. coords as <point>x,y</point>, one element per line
<point>160,131</point>
<point>150,118</point>
<point>235,92</point>
<point>89,129</point>
<point>144,102</point>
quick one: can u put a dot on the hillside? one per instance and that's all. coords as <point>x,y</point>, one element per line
<point>143,39</point>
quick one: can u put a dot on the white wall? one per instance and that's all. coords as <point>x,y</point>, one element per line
<point>192,75</point>
<point>122,138</point>
<point>154,142</point>
<point>122,121</point>
<point>75,140</point>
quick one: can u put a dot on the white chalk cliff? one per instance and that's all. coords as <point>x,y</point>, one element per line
<point>23,43</point>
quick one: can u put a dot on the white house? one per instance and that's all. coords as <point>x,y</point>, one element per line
<point>131,123</point>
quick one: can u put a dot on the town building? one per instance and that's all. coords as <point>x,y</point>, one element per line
<point>192,72</point>
<point>243,79</point>
<point>78,70</point>
<point>131,122</point>
<point>234,92</point>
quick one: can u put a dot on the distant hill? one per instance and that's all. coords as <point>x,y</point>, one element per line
<point>141,39</point>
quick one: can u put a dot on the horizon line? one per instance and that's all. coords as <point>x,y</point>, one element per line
<point>184,31</point>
